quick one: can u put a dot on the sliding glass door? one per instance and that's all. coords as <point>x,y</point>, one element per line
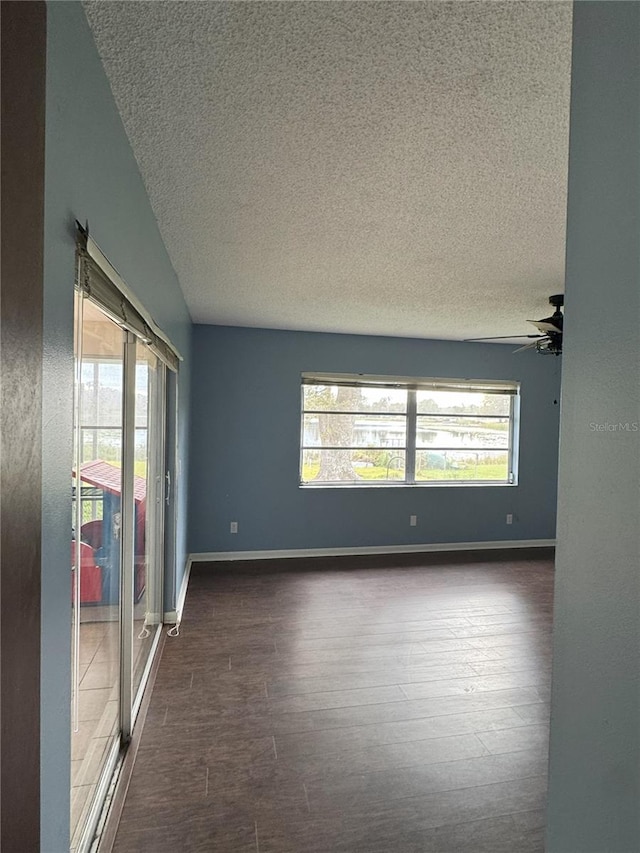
<point>117,547</point>
<point>95,554</point>
<point>149,516</point>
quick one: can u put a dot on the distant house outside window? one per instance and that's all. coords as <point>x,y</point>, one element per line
<point>369,431</point>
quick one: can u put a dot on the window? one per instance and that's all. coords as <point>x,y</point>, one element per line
<point>387,430</point>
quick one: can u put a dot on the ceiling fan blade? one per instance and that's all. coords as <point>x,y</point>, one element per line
<point>527,346</point>
<point>502,338</point>
<point>545,327</point>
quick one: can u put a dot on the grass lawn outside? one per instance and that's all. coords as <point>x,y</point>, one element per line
<point>484,472</point>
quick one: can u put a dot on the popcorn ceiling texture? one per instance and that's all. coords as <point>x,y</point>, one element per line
<point>387,168</point>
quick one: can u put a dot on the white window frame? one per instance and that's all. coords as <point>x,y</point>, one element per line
<point>412,385</point>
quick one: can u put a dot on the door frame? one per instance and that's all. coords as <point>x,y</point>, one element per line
<point>23,82</point>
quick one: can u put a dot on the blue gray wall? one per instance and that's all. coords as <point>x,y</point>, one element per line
<point>91,174</point>
<point>246,433</point>
<point>594,793</point>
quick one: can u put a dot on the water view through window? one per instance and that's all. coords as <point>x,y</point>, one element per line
<point>371,434</point>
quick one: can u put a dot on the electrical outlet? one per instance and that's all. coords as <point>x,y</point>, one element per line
<point>413,520</point>
<point>509,518</point>
<point>233,527</point>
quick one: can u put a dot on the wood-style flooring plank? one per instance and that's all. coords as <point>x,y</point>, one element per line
<point>351,705</point>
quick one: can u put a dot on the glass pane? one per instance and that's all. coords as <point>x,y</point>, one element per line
<point>462,403</point>
<point>462,432</point>
<point>472,465</point>
<point>341,398</point>
<point>352,466</point>
<point>332,430</point>
<point>101,401</point>
<point>147,605</point>
<point>98,443</point>
<point>95,553</point>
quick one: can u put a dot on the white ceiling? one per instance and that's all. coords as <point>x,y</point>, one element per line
<point>394,168</point>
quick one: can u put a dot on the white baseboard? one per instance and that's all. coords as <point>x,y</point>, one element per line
<point>225,556</point>
<point>175,616</point>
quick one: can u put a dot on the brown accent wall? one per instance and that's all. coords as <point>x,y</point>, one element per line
<point>21,299</point>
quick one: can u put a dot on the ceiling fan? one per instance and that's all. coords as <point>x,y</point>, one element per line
<point>550,339</point>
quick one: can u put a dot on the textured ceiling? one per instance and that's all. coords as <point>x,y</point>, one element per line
<point>394,168</point>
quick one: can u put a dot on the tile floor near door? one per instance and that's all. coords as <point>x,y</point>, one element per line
<point>366,706</point>
<point>96,727</point>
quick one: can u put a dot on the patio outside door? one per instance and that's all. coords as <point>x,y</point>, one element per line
<point>117,548</point>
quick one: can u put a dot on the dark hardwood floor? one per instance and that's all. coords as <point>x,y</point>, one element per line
<point>362,705</point>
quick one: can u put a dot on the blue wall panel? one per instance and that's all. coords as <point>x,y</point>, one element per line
<point>246,432</point>
<point>594,769</point>
<point>91,174</point>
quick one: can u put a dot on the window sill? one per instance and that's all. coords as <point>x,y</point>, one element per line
<point>463,484</point>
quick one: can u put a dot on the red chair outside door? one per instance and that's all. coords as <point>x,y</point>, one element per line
<point>90,575</point>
